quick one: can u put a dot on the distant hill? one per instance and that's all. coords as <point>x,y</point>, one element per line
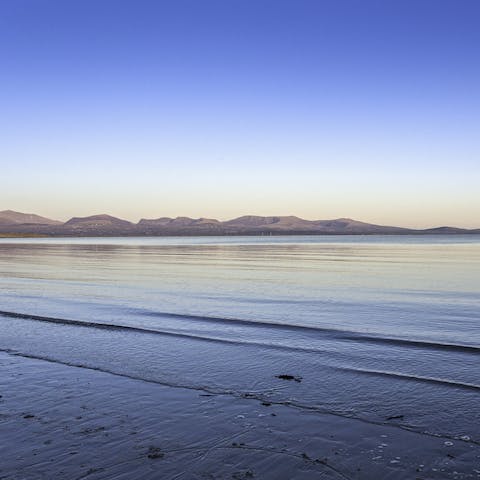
<point>287,224</point>
<point>448,230</point>
<point>9,217</point>
<point>105,225</point>
<point>178,222</point>
<point>180,226</point>
<point>102,224</point>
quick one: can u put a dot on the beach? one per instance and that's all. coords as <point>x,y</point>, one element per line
<point>67,422</point>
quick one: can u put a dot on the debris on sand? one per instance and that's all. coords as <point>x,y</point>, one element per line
<point>154,453</point>
<point>284,376</point>
<point>242,475</point>
<point>90,430</point>
<point>396,417</point>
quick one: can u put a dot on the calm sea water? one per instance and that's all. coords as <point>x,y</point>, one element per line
<point>376,326</point>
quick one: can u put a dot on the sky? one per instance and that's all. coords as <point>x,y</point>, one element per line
<point>367,109</point>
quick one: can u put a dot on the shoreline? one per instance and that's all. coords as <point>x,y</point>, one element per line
<point>242,234</point>
<point>65,422</point>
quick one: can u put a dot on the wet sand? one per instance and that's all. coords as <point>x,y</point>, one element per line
<point>64,422</point>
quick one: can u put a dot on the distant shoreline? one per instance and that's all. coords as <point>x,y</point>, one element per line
<point>24,235</point>
<point>259,235</point>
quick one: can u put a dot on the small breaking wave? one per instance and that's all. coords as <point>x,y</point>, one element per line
<point>416,378</point>
<point>318,332</point>
<point>332,332</point>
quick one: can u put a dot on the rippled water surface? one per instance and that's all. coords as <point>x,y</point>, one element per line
<point>377,327</point>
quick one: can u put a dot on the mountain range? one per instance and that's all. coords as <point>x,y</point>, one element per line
<point>25,224</point>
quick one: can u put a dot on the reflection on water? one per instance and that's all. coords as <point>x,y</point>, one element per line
<point>374,324</point>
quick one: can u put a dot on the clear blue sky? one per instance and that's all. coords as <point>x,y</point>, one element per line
<point>316,108</point>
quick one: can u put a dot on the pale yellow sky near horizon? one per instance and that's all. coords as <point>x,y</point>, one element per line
<point>392,197</point>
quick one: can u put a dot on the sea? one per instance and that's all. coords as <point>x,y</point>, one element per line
<point>384,329</point>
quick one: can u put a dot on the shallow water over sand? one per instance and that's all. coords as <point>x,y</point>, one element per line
<point>376,327</point>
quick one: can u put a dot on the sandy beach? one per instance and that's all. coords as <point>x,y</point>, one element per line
<point>66,422</point>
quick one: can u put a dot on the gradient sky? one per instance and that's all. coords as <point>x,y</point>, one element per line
<point>367,109</point>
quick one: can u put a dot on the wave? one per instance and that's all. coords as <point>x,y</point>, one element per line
<point>334,333</point>
<point>128,328</point>
<point>416,378</point>
<point>330,333</point>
